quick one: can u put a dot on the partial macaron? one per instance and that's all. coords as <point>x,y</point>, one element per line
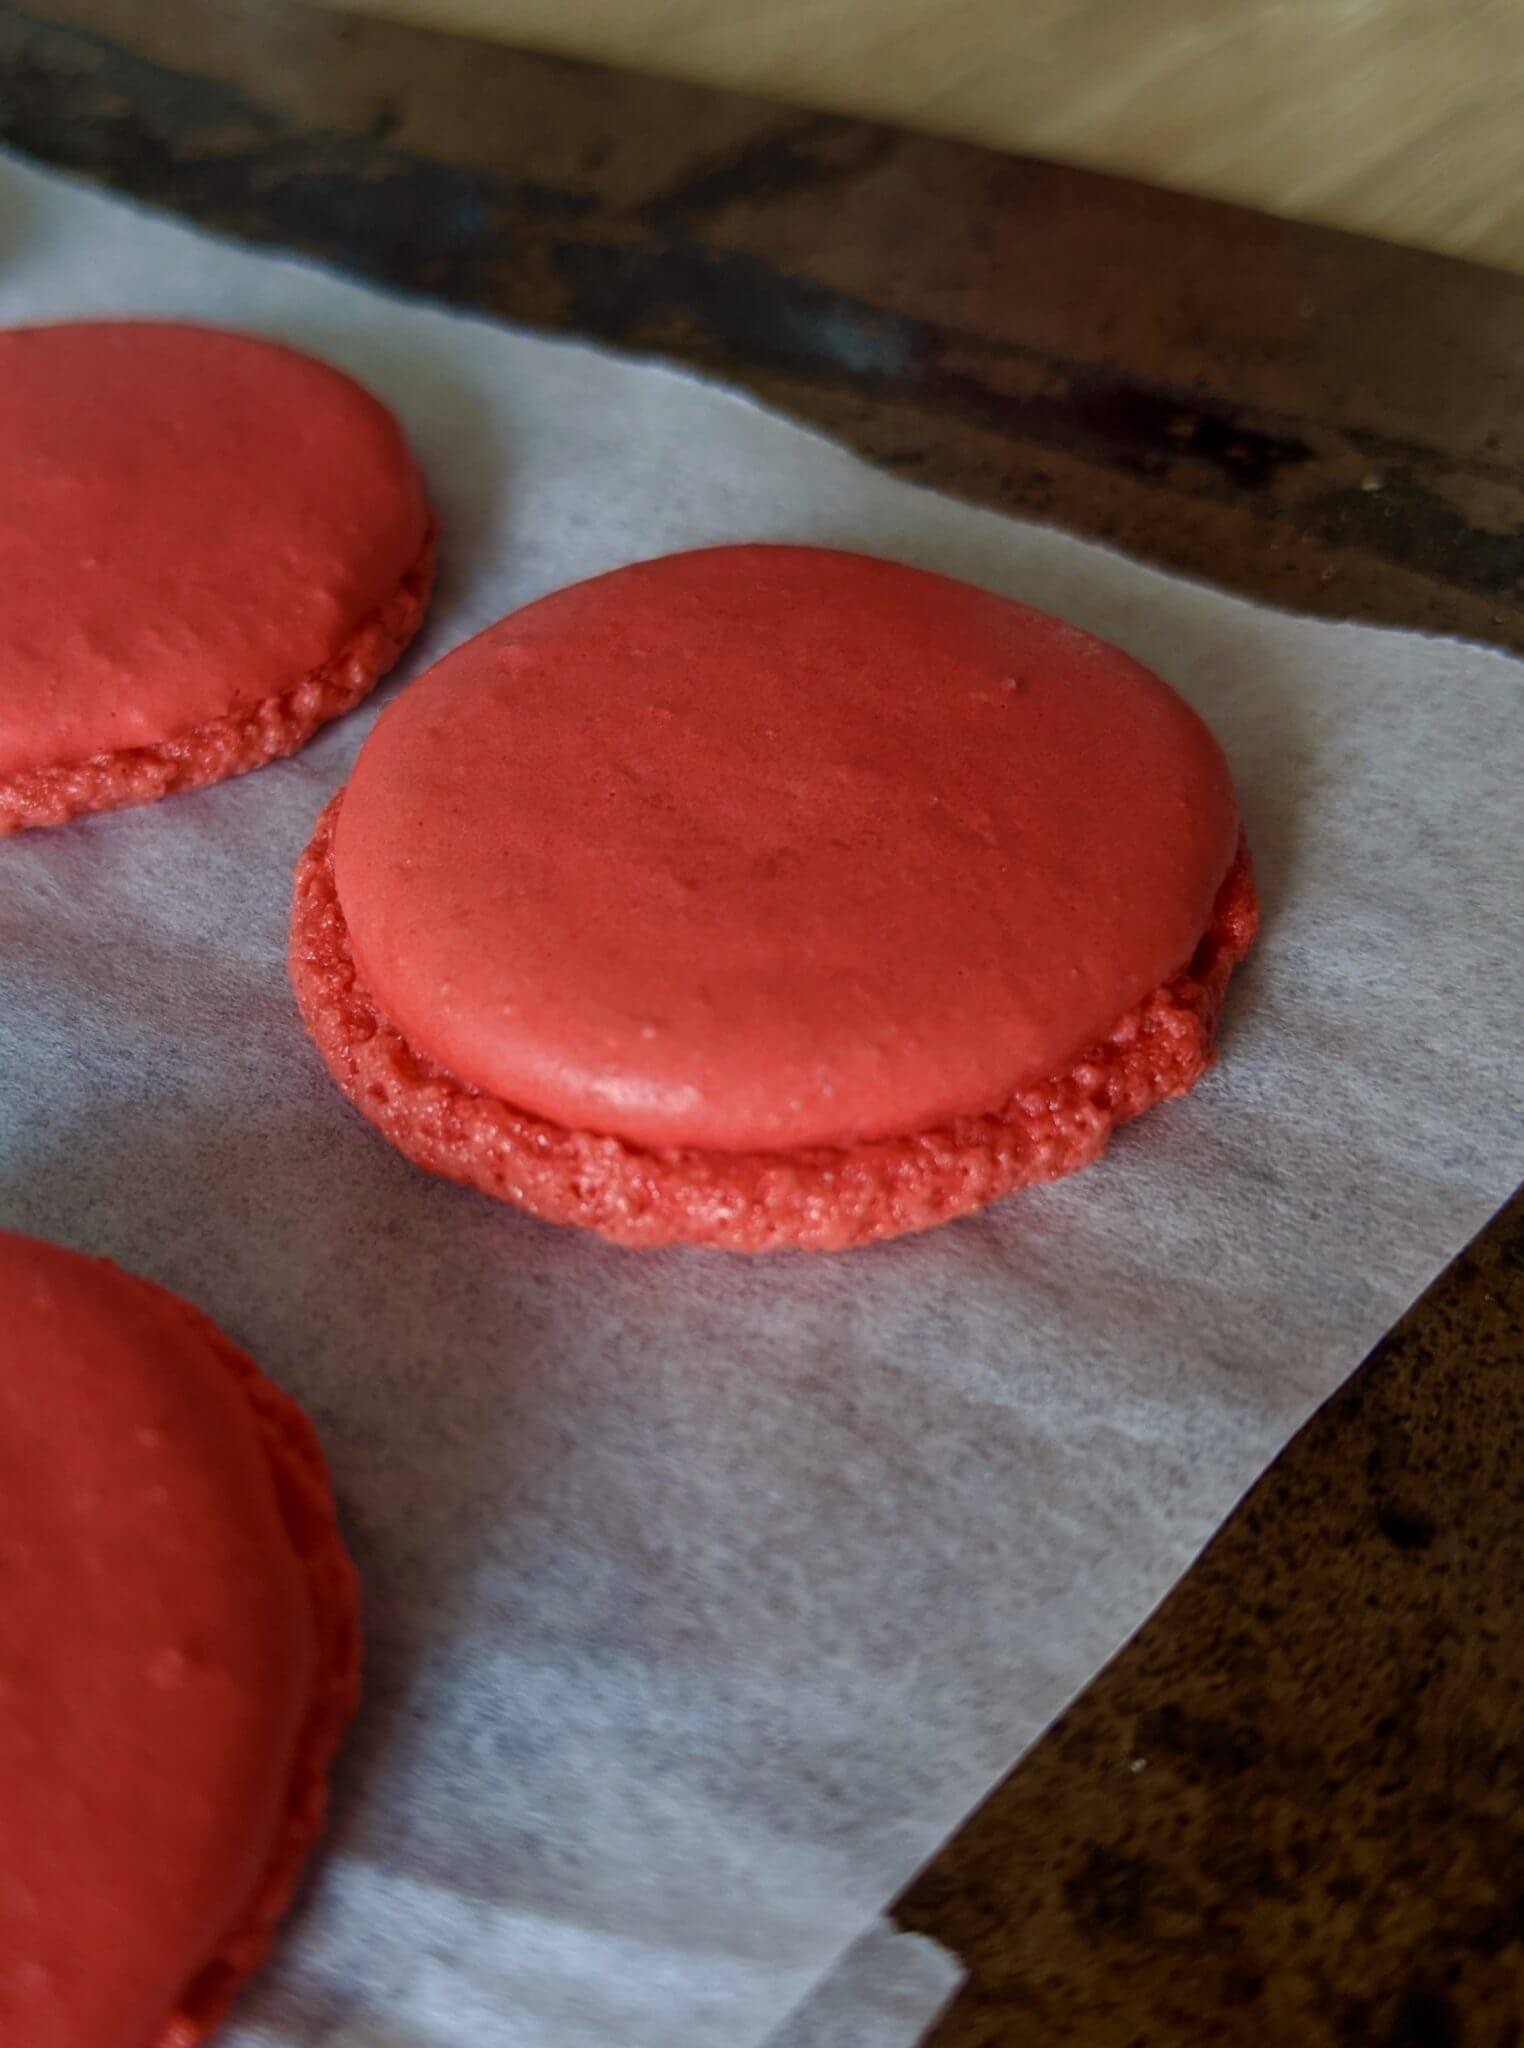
<point>181,1656</point>
<point>771,896</point>
<point>210,546</point>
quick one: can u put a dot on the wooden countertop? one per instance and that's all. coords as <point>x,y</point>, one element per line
<point>1402,118</point>
<point>1290,1809</point>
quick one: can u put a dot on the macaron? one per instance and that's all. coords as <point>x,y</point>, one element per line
<point>180,1657</point>
<point>210,545</point>
<point>770,896</point>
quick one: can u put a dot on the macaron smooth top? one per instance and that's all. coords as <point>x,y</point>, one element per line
<point>765,847</point>
<point>191,521</point>
<point>158,1655</point>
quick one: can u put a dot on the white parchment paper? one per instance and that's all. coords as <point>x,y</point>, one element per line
<point>706,1595</point>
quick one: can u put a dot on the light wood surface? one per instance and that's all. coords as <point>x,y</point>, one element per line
<point>1400,118</point>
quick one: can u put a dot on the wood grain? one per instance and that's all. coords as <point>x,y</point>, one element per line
<point>1289,1810</point>
<point>1402,118</point>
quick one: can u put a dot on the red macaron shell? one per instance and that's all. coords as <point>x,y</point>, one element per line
<point>812,1198</point>
<point>208,542</point>
<point>769,847</point>
<point>181,1655</point>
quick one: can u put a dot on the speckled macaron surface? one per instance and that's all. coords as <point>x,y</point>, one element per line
<point>180,1657</point>
<point>209,545</point>
<point>779,853</point>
